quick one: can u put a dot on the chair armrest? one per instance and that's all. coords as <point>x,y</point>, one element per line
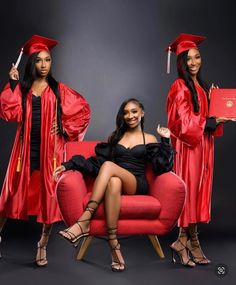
<point>71,190</point>
<point>170,190</point>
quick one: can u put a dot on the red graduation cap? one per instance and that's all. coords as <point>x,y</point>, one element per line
<point>36,44</point>
<point>182,43</point>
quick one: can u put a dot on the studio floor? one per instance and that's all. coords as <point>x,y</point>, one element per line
<point>143,266</point>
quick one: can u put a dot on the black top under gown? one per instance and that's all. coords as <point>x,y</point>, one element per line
<point>35,129</point>
<point>35,134</point>
<point>133,159</point>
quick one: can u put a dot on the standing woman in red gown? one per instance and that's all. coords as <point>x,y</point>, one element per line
<point>192,134</point>
<point>48,114</point>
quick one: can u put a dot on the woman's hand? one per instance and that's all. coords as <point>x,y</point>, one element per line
<point>163,132</point>
<point>13,73</point>
<point>220,120</point>
<point>54,129</point>
<point>58,171</point>
<point>213,86</point>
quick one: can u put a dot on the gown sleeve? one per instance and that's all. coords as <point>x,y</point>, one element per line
<point>11,102</point>
<point>75,113</point>
<point>92,164</point>
<point>212,127</point>
<point>161,156</point>
<point>183,123</point>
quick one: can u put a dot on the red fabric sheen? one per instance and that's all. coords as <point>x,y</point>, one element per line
<point>16,196</point>
<point>195,151</point>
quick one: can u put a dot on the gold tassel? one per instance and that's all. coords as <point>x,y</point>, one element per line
<point>18,167</point>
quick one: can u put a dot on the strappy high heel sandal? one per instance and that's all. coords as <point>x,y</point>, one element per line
<point>179,253</point>
<point>194,247</point>
<point>182,251</point>
<point>117,265</point>
<point>41,257</point>
<point>73,238</point>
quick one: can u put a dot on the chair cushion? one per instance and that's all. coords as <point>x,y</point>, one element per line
<point>132,207</point>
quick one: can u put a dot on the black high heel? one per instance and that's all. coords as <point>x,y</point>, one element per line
<point>188,263</point>
<point>42,261</point>
<point>193,245</point>
<point>71,237</point>
<point>117,265</point>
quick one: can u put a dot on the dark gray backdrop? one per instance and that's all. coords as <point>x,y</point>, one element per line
<point>113,49</point>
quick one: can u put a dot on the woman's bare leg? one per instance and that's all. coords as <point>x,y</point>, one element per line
<point>41,256</point>
<point>112,201</point>
<point>107,171</point>
<point>112,204</point>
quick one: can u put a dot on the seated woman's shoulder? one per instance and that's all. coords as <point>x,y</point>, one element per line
<point>150,138</point>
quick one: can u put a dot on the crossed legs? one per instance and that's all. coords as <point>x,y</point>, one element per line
<point>111,181</point>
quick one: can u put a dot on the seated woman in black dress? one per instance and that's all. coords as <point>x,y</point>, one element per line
<point>120,169</point>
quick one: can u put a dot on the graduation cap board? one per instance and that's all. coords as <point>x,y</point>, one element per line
<point>182,43</point>
<point>36,44</point>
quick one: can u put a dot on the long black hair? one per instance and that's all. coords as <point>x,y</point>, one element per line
<point>29,77</point>
<point>121,126</point>
<point>184,74</point>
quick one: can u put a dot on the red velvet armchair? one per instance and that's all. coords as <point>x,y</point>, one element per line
<point>153,215</point>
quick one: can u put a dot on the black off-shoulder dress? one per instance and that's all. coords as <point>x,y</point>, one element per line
<point>160,155</point>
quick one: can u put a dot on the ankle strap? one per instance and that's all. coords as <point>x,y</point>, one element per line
<point>184,245</point>
<point>112,233</point>
<point>90,209</point>
<point>46,231</point>
<point>183,232</point>
<point>92,201</point>
<point>111,229</point>
<point>193,236</point>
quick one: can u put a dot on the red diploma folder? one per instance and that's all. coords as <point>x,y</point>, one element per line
<point>223,103</point>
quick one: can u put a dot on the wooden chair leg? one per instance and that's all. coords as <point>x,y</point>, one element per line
<point>83,248</point>
<point>155,242</point>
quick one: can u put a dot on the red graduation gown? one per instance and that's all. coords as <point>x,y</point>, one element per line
<point>194,160</point>
<point>21,194</point>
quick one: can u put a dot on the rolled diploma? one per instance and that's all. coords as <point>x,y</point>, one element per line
<point>19,58</point>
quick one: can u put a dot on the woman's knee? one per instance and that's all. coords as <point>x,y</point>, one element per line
<point>107,167</point>
<point>114,186</point>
